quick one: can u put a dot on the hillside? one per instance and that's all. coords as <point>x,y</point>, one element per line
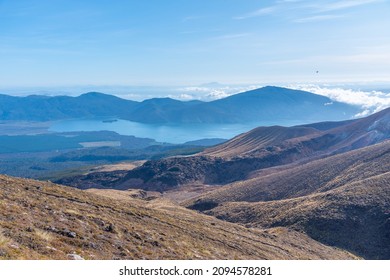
<point>342,200</point>
<point>42,220</point>
<point>354,217</point>
<point>264,104</point>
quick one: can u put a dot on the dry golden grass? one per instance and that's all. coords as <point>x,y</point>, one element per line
<point>47,221</point>
<point>3,240</point>
<point>118,166</point>
<point>44,235</point>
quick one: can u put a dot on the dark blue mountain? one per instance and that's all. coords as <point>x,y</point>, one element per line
<point>264,104</point>
<point>45,108</point>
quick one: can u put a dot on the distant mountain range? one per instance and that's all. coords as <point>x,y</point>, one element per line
<point>264,104</point>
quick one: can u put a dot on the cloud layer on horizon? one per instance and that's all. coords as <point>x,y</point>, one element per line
<point>371,101</point>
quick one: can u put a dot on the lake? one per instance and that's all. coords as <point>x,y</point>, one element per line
<point>173,133</point>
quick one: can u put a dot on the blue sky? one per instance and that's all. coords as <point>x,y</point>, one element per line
<point>190,42</point>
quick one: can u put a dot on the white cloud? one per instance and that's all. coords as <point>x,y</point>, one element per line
<point>309,11</point>
<point>207,93</point>
<point>370,101</point>
<point>257,13</point>
<point>288,1</point>
<point>363,113</point>
<point>130,96</point>
<point>190,18</point>
<point>217,94</point>
<point>183,96</point>
<point>231,36</point>
<point>318,18</point>
<point>194,89</point>
<point>345,4</point>
<point>213,92</point>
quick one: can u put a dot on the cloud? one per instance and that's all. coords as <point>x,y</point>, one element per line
<point>194,89</point>
<point>257,13</point>
<point>231,36</point>
<point>206,93</point>
<point>345,4</point>
<point>288,1</point>
<point>183,96</point>
<point>367,57</point>
<point>217,94</point>
<point>191,18</point>
<point>318,18</point>
<point>214,91</point>
<point>308,11</point>
<point>370,101</point>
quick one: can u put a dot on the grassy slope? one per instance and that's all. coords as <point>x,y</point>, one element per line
<point>46,221</point>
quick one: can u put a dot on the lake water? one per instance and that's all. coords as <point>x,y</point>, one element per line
<point>176,134</point>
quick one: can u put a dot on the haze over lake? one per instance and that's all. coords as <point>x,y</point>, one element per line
<point>170,133</point>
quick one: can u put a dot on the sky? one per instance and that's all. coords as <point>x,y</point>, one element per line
<point>64,43</point>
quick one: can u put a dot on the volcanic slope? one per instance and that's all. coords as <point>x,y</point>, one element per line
<point>342,201</point>
<point>41,220</point>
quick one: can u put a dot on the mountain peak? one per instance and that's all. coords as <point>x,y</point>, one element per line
<point>94,94</point>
